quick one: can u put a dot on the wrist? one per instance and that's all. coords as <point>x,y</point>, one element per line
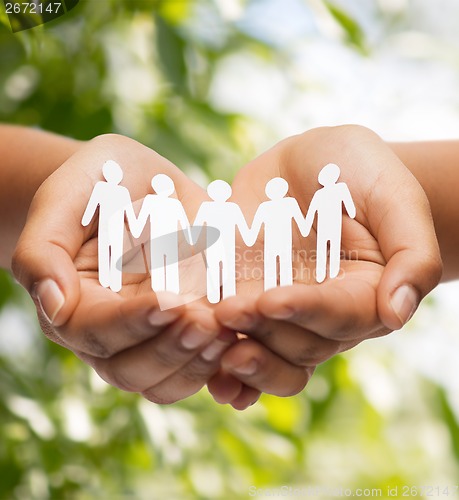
<point>434,164</point>
<point>28,158</point>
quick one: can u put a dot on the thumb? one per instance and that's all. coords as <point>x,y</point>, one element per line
<point>43,263</point>
<point>414,267</point>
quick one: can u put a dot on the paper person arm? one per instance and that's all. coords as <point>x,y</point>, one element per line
<point>255,229</point>
<point>309,221</point>
<point>299,218</point>
<point>348,201</point>
<point>139,223</point>
<point>185,225</point>
<point>243,227</point>
<point>93,203</point>
<point>198,223</point>
<point>130,214</point>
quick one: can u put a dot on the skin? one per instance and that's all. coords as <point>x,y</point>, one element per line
<point>306,324</point>
<point>142,354</point>
<point>288,331</point>
<point>23,169</point>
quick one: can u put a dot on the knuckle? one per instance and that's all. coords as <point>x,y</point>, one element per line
<point>346,326</point>
<point>92,345</point>
<point>167,356</point>
<point>153,397</point>
<point>20,263</point>
<point>263,333</point>
<point>312,355</point>
<point>105,138</point>
<point>434,269</point>
<point>351,132</point>
<point>198,371</point>
<point>112,375</point>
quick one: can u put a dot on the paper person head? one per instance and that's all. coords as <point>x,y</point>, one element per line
<point>329,174</point>
<point>112,172</point>
<point>276,188</point>
<point>219,190</point>
<point>163,185</point>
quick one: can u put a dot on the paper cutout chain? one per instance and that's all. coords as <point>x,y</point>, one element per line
<point>219,218</point>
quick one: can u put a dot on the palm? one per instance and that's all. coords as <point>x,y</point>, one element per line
<point>86,263</point>
<point>363,261</point>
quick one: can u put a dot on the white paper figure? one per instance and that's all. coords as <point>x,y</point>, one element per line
<point>224,216</point>
<point>276,215</point>
<point>166,215</point>
<point>327,202</point>
<point>114,201</point>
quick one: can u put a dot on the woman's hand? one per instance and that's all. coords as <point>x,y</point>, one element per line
<point>390,262</point>
<point>126,337</point>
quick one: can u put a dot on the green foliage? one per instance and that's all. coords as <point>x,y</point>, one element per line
<point>353,32</point>
<point>141,68</point>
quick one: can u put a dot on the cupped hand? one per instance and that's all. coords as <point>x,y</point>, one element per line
<point>126,337</point>
<point>390,261</point>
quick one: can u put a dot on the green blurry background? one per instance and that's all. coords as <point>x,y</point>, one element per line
<point>210,84</point>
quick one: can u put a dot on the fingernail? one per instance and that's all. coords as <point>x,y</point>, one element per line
<point>194,337</point>
<point>214,350</point>
<point>50,299</point>
<point>248,368</point>
<point>404,302</point>
<point>160,318</point>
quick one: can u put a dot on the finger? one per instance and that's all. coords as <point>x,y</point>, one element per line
<point>224,387</point>
<point>104,323</point>
<point>146,365</point>
<point>247,397</point>
<point>399,216</point>
<point>408,242</point>
<point>293,343</point>
<point>259,368</point>
<point>191,377</point>
<point>339,310</point>
<point>43,262</point>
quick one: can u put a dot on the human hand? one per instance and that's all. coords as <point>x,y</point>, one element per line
<point>391,261</point>
<point>126,338</point>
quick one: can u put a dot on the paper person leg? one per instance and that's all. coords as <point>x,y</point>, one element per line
<point>104,258</point>
<point>270,270</point>
<point>335,255</point>
<point>116,236</point>
<point>172,273</point>
<point>213,277</point>
<point>285,269</point>
<point>321,258</point>
<point>157,271</point>
<point>228,275</point>
<point>116,265</point>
